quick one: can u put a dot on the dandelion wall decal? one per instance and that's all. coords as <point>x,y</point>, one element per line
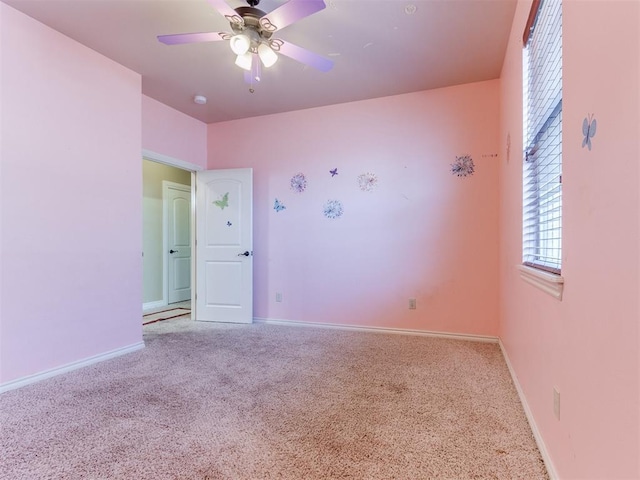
<point>333,209</point>
<point>298,183</point>
<point>367,181</point>
<point>463,166</point>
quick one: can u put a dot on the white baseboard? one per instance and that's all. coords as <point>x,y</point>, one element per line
<point>400,331</point>
<point>21,382</point>
<point>156,304</point>
<point>553,475</point>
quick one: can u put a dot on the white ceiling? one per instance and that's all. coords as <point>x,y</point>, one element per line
<point>378,49</point>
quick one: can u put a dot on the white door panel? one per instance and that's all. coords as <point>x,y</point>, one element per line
<point>224,244</point>
<point>178,248</point>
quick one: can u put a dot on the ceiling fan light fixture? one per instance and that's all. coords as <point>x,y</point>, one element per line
<point>240,44</point>
<point>244,61</point>
<point>251,34</point>
<point>267,55</point>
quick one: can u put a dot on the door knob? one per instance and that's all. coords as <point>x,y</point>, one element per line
<point>173,251</point>
<point>245,254</point>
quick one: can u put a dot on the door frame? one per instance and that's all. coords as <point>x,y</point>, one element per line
<point>166,185</point>
<point>193,168</point>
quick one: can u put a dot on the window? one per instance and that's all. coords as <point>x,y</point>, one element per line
<point>542,171</point>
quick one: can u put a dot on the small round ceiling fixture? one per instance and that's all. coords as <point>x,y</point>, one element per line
<point>410,9</point>
<point>200,99</point>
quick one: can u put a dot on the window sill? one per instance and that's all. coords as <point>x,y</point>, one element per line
<point>547,282</point>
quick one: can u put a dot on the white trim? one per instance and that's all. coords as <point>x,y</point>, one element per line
<point>400,331</point>
<point>553,475</point>
<point>156,304</point>
<point>167,160</point>
<point>193,245</point>
<point>24,381</point>
<point>547,282</point>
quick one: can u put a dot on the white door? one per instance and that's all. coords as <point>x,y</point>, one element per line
<point>224,246</point>
<point>177,200</point>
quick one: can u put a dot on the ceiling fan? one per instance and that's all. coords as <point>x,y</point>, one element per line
<point>252,38</point>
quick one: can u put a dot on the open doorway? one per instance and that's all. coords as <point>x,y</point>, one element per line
<point>224,226</point>
<point>166,237</point>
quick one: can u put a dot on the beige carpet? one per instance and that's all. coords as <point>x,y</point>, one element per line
<point>207,401</point>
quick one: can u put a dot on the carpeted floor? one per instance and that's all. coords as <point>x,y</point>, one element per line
<point>210,401</point>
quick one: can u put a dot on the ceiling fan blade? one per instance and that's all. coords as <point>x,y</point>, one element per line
<point>225,10</point>
<point>305,56</point>
<point>291,12</point>
<point>180,38</point>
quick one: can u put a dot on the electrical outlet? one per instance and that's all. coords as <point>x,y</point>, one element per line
<point>278,297</point>
<point>412,304</point>
<point>556,402</point>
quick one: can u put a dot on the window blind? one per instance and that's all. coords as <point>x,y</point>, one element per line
<point>542,172</point>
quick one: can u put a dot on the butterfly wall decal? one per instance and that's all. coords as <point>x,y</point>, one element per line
<point>278,206</point>
<point>334,172</point>
<point>589,126</point>
<point>229,223</point>
<point>223,202</point>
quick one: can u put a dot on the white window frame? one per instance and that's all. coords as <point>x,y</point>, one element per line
<point>542,169</point>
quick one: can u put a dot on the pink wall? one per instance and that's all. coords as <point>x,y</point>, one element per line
<point>70,201</point>
<point>71,136</point>
<point>422,233</point>
<point>586,344</point>
<point>172,133</point>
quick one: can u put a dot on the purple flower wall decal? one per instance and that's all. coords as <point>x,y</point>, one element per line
<point>463,166</point>
<point>298,183</point>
